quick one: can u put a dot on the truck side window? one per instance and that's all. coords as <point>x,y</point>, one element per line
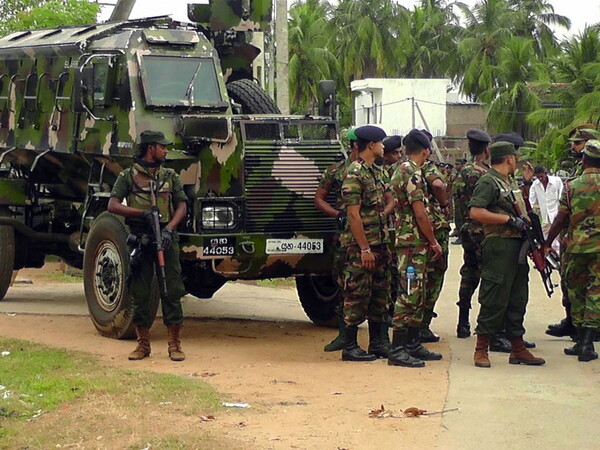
<point>100,82</point>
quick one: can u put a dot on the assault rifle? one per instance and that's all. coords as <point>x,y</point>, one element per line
<point>160,255</point>
<point>534,247</point>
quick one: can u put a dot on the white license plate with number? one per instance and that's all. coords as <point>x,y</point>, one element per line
<point>294,246</point>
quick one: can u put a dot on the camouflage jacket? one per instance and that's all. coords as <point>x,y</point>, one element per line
<point>581,202</point>
<point>388,171</point>
<point>409,187</point>
<point>496,193</point>
<point>438,216</point>
<point>332,178</point>
<point>468,178</point>
<point>133,184</point>
<point>364,185</point>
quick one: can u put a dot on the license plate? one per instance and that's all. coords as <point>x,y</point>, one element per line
<point>218,247</point>
<point>294,246</point>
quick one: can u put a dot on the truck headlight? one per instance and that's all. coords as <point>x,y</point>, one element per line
<point>218,217</point>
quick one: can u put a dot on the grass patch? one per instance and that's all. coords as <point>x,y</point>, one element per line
<point>51,397</point>
<point>64,278</point>
<point>279,283</point>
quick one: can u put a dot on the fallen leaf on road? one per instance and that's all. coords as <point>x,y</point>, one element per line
<point>414,412</point>
<point>208,418</point>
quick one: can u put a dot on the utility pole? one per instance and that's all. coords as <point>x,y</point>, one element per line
<point>282,57</point>
<point>412,99</point>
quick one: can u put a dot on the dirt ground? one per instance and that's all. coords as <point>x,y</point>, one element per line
<point>299,396</point>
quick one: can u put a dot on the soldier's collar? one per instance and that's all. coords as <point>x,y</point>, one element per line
<point>147,164</point>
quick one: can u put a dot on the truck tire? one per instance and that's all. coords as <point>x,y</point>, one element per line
<point>105,271</point>
<point>319,296</point>
<point>252,97</point>
<point>7,256</point>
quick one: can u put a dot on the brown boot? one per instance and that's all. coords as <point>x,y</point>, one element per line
<point>175,352</point>
<point>520,355</point>
<point>143,344</point>
<point>481,356</point>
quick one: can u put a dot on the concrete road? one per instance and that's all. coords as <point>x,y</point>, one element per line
<point>554,406</point>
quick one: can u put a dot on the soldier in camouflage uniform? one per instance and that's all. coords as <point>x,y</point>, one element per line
<point>366,274</point>
<point>133,184</point>
<point>414,241</point>
<point>471,233</point>
<point>436,270</point>
<point>504,293</point>
<point>331,181</point>
<point>578,137</point>
<point>458,207</point>
<point>580,211</point>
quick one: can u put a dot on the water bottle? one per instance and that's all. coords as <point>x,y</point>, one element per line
<point>410,275</point>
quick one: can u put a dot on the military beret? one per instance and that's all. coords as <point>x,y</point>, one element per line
<point>478,135</point>
<point>592,148</point>
<point>350,133</point>
<point>419,137</point>
<point>502,148</point>
<point>510,136</point>
<point>583,126</point>
<point>428,134</point>
<point>154,137</point>
<point>370,133</point>
<point>584,135</point>
<point>391,143</point>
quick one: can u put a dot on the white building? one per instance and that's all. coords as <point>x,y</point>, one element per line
<point>400,104</point>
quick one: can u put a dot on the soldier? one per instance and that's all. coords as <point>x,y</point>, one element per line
<point>580,210</point>
<point>578,137</point>
<point>439,217</point>
<point>331,181</point>
<point>458,207</point>
<point>366,275</point>
<point>471,234</point>
<point>503,294</point>
<point>414,241</point>
<point>133,184</point>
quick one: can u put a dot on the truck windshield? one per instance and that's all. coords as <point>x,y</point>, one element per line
<point>173,80</point>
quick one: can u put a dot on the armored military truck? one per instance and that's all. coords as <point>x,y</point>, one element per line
<point>73,101</point>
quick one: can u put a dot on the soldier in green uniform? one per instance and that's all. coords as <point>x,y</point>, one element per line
<point>579,210</point>
<point>503,294</point>
<point>415,239</point>
<point>439,216</point>
<point>471,233</point>
<point>366,274</point>
<point>578,137</point>
<point>458,207</point>
<point>133,184</point>
<point>331,181</point>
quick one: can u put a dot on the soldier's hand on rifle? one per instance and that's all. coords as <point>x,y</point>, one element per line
<point>341,219</point>
<point>166,237</point>
<point>147,216</point>
<point>517,223</point>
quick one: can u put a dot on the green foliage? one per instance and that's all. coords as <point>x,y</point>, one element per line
<point>34,14</point>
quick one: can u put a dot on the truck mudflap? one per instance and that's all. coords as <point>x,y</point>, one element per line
<point>252,256</point>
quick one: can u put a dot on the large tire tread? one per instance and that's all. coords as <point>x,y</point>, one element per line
<point>252,97</point>
<point>318,306</point>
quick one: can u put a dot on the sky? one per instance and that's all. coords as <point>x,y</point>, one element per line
<point>581,12</point>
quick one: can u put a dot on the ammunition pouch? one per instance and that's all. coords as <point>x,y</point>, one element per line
<point>137,245</point>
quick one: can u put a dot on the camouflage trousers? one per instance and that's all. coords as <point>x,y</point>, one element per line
<point>339,257</point>
<point>140,287</point>
<point>504,290</point>
<point>410,305</point>
<point>436,271</point>
<point>470,272</point>
<point>366,292</point>
<point>582,274</point>
<point>458,212</point>
<point>564,285</point>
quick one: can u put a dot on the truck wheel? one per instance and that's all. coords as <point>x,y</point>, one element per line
<point>7,256</point>
<point>252,97</point>
<point>319,296</point>
<point>105,271</point>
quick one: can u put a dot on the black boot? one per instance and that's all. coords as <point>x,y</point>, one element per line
<point>398,355</point>
<point>377,346</point>
<point>351,351</point>
<point>338,343</point>
<point>586,349</point>
<point>529,344</point>
<point>565,327</point>
<point>574,351</point>
<point>500,343</point>
<point>416,349</point>
<point>425,333</point>
<point>463,329</point>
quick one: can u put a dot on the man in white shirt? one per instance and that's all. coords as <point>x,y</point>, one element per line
<point>544,195</point>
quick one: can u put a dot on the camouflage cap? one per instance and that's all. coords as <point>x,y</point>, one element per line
<point>154,137</point>
<point>584,134</point>
<point>502,148</point>
<point>592,148</point>
<point>350,133</point>
<point>583,126</point>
